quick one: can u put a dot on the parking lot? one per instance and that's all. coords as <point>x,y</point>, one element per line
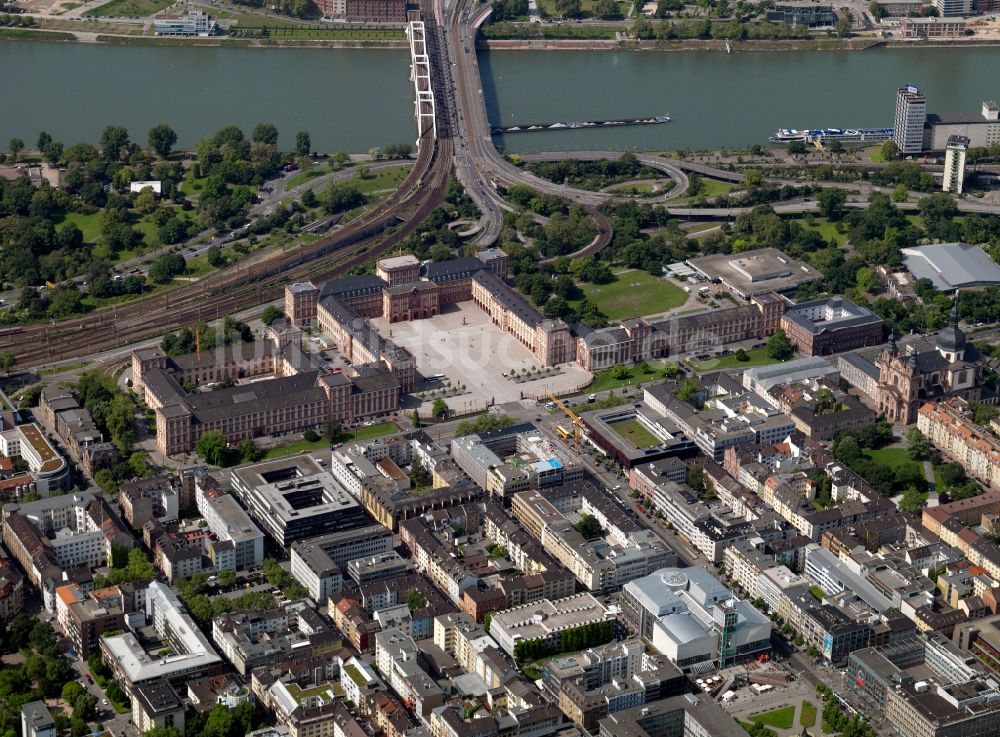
<point>465,346</point>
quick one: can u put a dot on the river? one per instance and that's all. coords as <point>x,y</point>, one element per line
<point>353,99</point>
<point>717,99</point>
<point>347,99</point>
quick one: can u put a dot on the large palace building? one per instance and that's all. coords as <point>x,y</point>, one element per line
<point>281,390</point>
<point>927,370</point>
<point>641,340</point>
<point>403,289</point>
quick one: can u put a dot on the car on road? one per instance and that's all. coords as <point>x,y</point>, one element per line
<point>88,677</point>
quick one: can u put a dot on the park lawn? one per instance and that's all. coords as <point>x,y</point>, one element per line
<point>192,185</point>
<point>304,176</point>
<point>632,432</point>
<point>634,294</point>
<point>370,432</point>
<point>129,8</point>
<point>894,458</point>
<point>548,7</point>
<point>807,717</point>
<point>604,381</point>
<point>715,187</point>
<point>782,718</point>
<point>826,229</point>
<point>382,179</point>
<point>299,446</point>
<point>90,225</point>
<point>757,357</point>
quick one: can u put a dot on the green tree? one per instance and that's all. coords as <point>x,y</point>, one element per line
<point>303,143</point>
<point>917,445</point>
<point>796,147</point>
<point>913,500</point>
<point>689,392</point>
<point>867,280</point>
<point>265,133</point>
<point>7,361</point>
<point>831,203</point>
<point>114,142</point>
<point>212,447</point>
<point>741,355</point>
<point>439,408</point>
<point>270,314</point>
<point>227,578</point>
<point>162,139</point>
<point>779,347</point>
<point>606,9</point>
<point>71,690</point>
<point>890,150</point>
<point>415,600</point>
<point>568,8</point>
<point>16,145</point>
<point>415,419</point>
<point>589,527</point>
<point>843,26</point>
<point>900,193</point>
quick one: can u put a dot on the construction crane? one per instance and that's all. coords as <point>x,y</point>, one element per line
<point>577,422</point>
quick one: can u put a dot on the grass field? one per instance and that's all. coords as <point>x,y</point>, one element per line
<point>30,34</point>
<point>635,294</point>
<point>782,718</point>
<point>604,381</point>
<point>346,436</point>
<point>758,357</point>
<point>807,717</point>
<point>632,432</point>
<point>89,225</point>
<point>709,188</point>
<point>382,179</point>
<point>129,8</point>
<point>826,229</point>
<point>304,176</point>
<point>892,457</point>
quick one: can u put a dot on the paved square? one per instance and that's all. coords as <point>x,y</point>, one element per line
<point>465,346</point>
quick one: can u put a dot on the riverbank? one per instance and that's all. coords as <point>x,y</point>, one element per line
<point>734,47</point>
<point>59,36</point>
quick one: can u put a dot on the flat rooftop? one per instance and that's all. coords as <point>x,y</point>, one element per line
<point>50,460</point>
<point>753,272</point>
<point>398,262</point>
<point>952,266</point>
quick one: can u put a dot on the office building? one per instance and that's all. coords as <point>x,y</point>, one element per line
<point>954,164</point>
<point>690,715</point>
<point>830,325</point>
<point>926,687</point>
<point>982,128</point>
<point>951,8</point>
<point>191,655</point>
<point>911,112</point>
<point>36,720</point>
<point>544,620</point>
<point>294,498</point>
<point>191,23</point>
<point>47,469</point>
<point>318,562</point>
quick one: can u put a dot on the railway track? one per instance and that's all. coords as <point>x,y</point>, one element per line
<point>241,286</point>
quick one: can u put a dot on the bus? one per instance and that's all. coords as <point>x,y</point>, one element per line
<point>563,432</point>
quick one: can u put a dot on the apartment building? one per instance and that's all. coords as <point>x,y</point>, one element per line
<point>230,523</point>
<point>949,425</point>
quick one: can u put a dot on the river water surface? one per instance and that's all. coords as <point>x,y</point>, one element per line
<point>353,99</point>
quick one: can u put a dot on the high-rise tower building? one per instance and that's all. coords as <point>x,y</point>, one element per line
<point>911,113</point>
